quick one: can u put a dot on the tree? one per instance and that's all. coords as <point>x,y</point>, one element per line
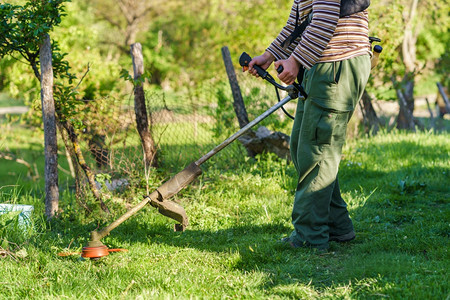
<point>405,89</point>
<point>127,18</point>
<point>48,118</point>
<point>24,31</point>
<point>408,56</point>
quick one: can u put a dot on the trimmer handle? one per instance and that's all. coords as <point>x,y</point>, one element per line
<point>299,88</point>
<point>245,59</point>
<point>280,69</point>
<point>374,39</point>
<point>292,89</point>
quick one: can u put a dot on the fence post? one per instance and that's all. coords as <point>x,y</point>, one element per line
<point>444,96</point>
<point>238,102</point>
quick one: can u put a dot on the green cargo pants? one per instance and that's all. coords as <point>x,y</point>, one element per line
<point>318,135</point>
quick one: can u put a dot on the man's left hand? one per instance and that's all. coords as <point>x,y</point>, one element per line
<point>290,69</point>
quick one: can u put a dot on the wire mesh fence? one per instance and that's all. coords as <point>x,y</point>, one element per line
<point>184,127</point>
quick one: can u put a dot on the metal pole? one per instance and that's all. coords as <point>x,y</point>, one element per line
<point>242,131</point>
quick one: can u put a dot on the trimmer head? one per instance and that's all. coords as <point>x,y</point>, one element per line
<point>94,252</point>
<point>95,248</point>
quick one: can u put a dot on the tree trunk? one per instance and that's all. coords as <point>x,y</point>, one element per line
<point>48,111</point>
<point>265,140</point>
<point>87,170</point>
<point>446,106</point>
<point>50,138</point>
<point>140,108</point>
<point>406,89</point>
<point>405,119</point>
<point>371,122</point>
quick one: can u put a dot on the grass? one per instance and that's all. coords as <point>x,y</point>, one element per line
<point>396,185</point>
<point>6,101</point>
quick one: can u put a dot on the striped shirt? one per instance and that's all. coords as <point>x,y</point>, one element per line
<point>327,38</point>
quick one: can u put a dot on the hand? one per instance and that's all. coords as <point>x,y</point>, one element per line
<point>290,69</point>
<point>264,61</point>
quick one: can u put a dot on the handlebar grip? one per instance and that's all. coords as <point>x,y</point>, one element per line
<point>245,59</point>
<point>280,69</point>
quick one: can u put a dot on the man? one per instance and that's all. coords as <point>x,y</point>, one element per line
<point>335,53</point>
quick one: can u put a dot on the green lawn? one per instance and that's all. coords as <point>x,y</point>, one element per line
<point>6,101</point>
<point>396,185</point>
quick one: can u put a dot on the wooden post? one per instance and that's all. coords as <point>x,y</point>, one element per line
<point>50,138</point>
<point>444,96</point>
<point>432,123</point>
<point>370,116</point>
<point>140,108</point>
<point>262,140</point>
<point>238,102</point>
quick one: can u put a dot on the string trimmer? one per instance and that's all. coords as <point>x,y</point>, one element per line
<point>159,198</point>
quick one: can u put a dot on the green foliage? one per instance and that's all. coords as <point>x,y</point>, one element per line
<point>24,27</point>
<point>443,63</point>
<point>125,75</point>
<point>387,21</point>
<point>159,57</point>
<point>180,49</point>
<point>66,102</point>
<point>9,223</point>
<point>225,113</point>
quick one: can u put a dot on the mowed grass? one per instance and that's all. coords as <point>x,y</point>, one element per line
<point>397,188</point>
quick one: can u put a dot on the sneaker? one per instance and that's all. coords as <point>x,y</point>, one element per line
<point>291,244</point>
<point>287,241</point>
<point>343,238</point>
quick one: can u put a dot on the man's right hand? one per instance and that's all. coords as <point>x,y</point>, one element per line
<point>264,61</point>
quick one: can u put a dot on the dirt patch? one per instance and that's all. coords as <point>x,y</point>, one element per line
<point>13,110</point>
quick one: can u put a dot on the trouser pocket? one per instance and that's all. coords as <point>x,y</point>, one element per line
<point>324,129</point>
<point>331,127</point>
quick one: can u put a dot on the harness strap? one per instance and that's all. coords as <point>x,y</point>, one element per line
<point>348,7</point>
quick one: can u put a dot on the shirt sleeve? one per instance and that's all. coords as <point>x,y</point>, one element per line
<point>308,49</point>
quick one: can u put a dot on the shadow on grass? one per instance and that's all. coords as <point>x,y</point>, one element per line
<point>259,250</point>
<point>400,229</point>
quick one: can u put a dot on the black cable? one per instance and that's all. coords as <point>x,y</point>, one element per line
<point>269,78</point>
<point>282,108</point>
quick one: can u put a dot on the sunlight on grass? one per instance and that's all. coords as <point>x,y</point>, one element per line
<point>396,186</point>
